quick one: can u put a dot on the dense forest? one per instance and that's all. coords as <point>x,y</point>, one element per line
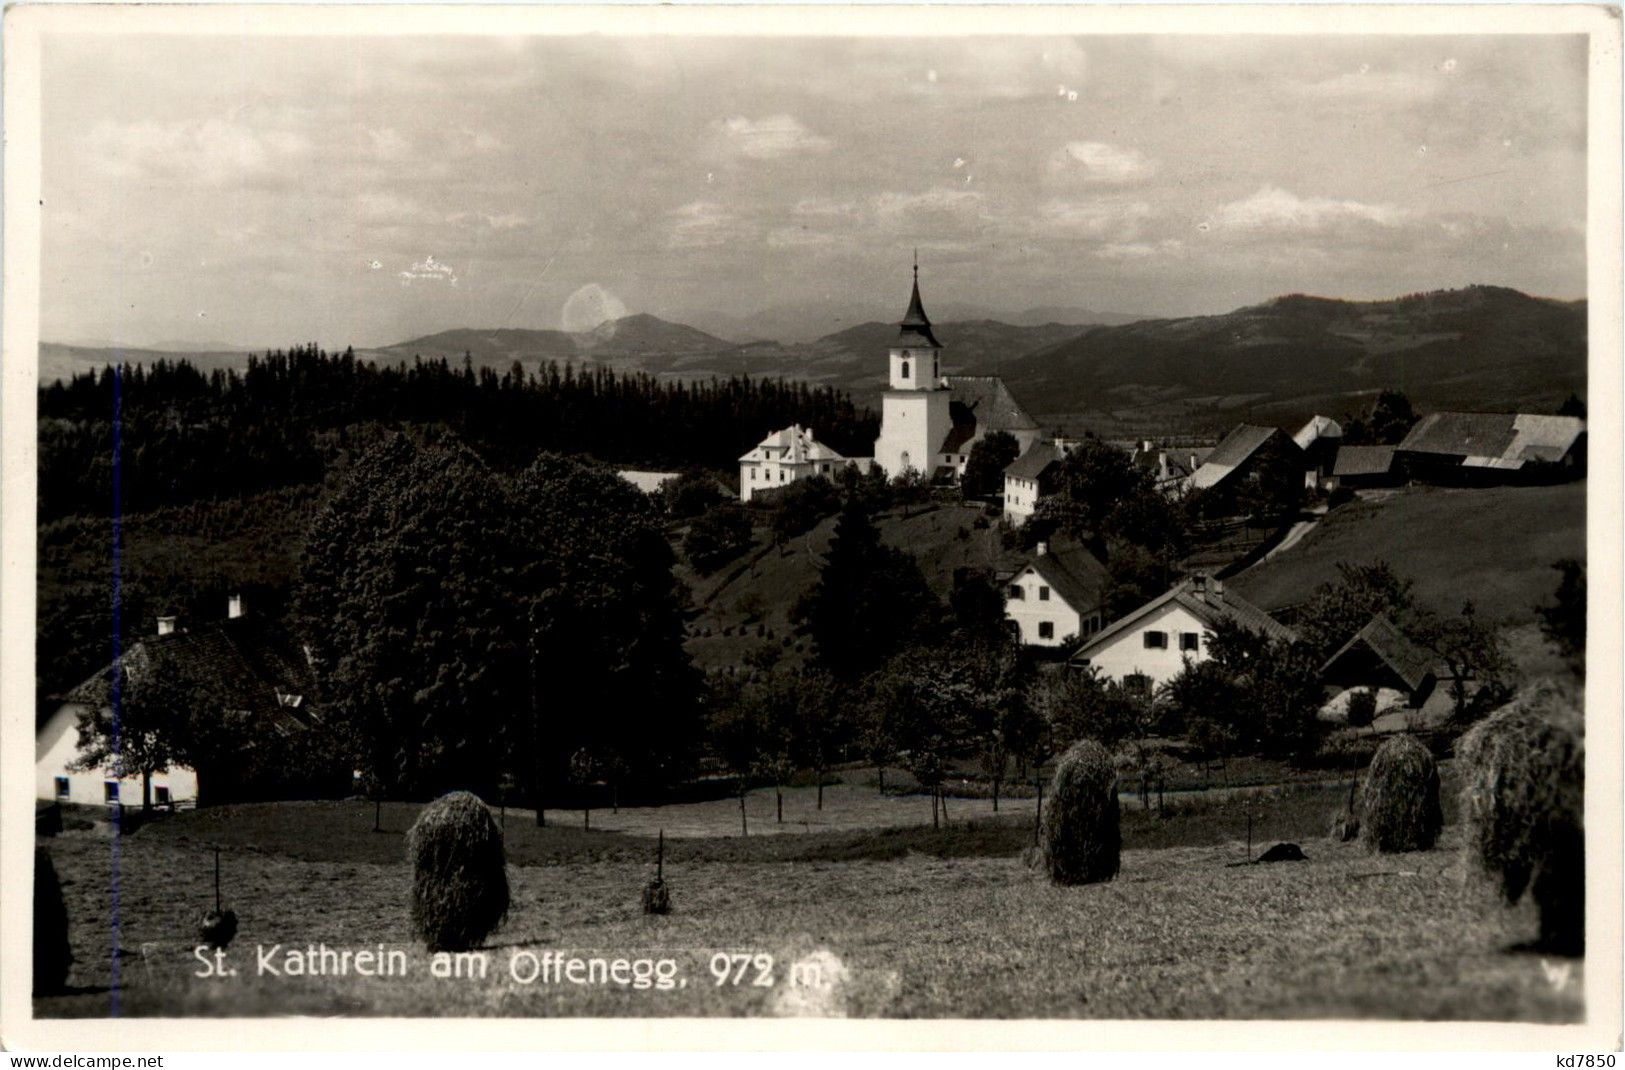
<point>185,436</point>
<point>220,475</point>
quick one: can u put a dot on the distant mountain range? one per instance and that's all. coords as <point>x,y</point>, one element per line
<point>1481,347</point>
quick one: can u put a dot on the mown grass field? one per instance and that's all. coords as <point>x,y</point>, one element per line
<point>899,922</point>
<point>1494,545</point>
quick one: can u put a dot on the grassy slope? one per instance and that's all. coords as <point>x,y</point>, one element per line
<point>1495,546</point>
<point>780,576</point>
<point>1180,933</point>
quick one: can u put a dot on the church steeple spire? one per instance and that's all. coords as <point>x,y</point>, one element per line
<point>916,328</point>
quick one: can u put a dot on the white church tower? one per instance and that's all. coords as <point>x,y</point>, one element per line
<point>914,417</point>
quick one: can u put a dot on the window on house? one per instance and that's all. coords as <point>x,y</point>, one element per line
<point>1137,683</point>
<point>62,788</point>
<point>1190,640</point>
<point>905,370</point>
<point>1046,629</point>
<point>161,795</point>
<point>1043,594</point>
<point>1156,640</point>
<point>110,791</point>
<point>1017,593</point>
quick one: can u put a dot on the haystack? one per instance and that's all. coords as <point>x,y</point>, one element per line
<point>1399,801</point>
<point>52,953</point>
<point>1523,800</point>
<point>459,873</point>
<point>1082,838</point>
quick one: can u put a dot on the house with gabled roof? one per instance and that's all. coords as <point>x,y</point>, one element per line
<point>1378,657</point>
<point>782,458</point>
<point>1147,647</point>
<point>1319,439</point>
<point>1236,456</point>
<point>263,676</point>
<point>1034,474</point>
<point>1363,466</point>
<point>1058,595</point>
<point>1492,447</point>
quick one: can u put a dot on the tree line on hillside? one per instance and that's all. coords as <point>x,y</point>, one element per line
<point>184,435</point>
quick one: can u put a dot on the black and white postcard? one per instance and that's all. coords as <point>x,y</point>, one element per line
<point>902,526</point>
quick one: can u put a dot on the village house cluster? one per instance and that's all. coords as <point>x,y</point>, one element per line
<point>1056,598</point>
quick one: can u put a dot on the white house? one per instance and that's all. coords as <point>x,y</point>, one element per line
<point>1029,478</point>
<point>784,457</point>
<point>267,680</point>
<point>1148,647</point>
<point>1057,596</point>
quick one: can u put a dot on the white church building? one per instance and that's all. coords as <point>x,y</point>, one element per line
<point>928,421</point>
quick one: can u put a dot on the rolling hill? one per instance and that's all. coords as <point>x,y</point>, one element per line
<point>1483,347</point>
<point>1479,348</point>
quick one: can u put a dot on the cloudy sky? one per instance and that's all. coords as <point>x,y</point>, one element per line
<point>367,190</point>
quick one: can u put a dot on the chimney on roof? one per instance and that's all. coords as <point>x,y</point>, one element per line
<point>234,607</point>
<point>166,625</point>
<point>1218,588</point>
<point>1043,547</point>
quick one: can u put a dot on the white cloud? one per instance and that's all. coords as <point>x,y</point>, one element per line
<point>947,207</point>
<point>381,206</point>
<point>798,238</point>
<point>824,208</point>
<point>488,220</point>
<point>1275,209</point>
<point>1095,218</point>
<point>1099,162</point>
<point>1140,250</point>
<point>1377,87</point>
<point>706,224</point>
<point>771,137</point>
<point>211,152</point>
<point>387,143</point>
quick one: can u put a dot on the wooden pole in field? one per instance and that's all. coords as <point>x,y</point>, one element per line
<point>1249,837</point>
<point>1038,814</point>
<point>377,813</point>
<point>217,880</point>
<point>660,856</point>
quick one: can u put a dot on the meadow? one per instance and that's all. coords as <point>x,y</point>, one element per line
<point>1494,545</point>
<point>901,921</point>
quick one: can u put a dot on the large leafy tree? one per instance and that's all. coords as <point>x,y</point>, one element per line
<point>411,600</point>
<point>1339,609</point>
<point>989,456</point>
<point>1109,504</point>
<point>870,599</point>
<point>606,622</point>
<point>466,627</point>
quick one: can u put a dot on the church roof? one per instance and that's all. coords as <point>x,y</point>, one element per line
<point>987,403</point>
<point>916,328</point>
